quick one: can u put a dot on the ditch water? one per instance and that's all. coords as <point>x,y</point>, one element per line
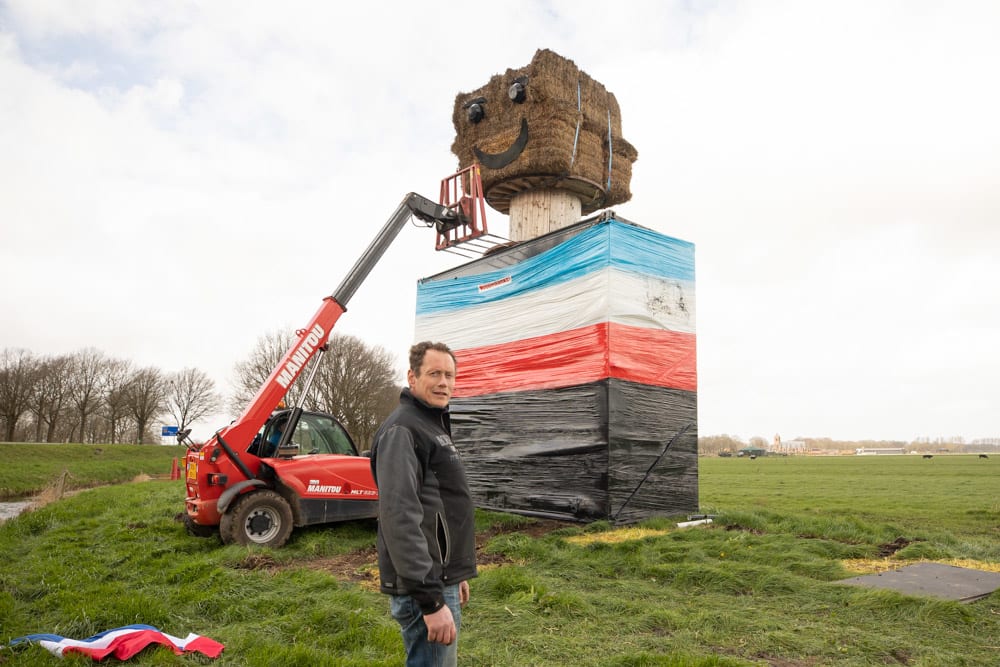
<point>12,509</point>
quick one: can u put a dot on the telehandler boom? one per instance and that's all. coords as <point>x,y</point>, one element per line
<point>271,470</point>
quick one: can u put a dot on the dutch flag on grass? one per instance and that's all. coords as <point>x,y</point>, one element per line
<point>123,643</point>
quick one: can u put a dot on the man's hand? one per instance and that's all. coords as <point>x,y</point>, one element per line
<point>440,626</point>
<point>463,593</point>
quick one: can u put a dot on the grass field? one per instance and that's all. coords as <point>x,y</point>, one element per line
<point>31,468</point>
<point>754,588</point>
<point>946,495</point>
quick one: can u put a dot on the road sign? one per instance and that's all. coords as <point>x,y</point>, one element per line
<point>169,432</point>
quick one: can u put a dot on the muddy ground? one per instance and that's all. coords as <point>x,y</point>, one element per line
<point>361,565</point>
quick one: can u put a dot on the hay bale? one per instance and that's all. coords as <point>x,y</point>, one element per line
<point>566,134</point>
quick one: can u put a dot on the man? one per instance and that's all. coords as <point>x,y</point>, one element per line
<point>426,528</point>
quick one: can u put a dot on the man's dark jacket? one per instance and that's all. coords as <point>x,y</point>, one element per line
<point>426,531</point>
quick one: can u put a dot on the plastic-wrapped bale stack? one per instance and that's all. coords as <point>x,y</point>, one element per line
<point>577,382</point>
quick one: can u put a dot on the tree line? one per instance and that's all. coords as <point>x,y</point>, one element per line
<point>730,445</point>
<point>89,396</point>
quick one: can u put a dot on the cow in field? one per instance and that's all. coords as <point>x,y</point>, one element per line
<point>928,456</point>
<point>983,456</point>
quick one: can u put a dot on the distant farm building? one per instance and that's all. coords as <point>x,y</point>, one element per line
<point>874,451</point>
<point>751,451</point>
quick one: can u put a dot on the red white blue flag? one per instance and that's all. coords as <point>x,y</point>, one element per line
<point>123,643</point>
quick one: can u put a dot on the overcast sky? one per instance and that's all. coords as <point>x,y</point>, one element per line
<point>179,178</point>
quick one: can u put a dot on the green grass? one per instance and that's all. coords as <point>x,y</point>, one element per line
<point>888,496</point>
<point>29,468</point>
<point>754,588</point>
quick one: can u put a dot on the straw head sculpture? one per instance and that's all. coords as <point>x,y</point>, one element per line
<point>549,142</point>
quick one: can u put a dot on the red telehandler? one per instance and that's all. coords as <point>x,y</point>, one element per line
<point>272,470</point>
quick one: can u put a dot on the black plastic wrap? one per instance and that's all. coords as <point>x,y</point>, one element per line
<point>653,443</point>
<point>611,449</point>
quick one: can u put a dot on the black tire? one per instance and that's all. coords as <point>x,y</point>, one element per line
<point>262,517</point>
<point>198,530</point>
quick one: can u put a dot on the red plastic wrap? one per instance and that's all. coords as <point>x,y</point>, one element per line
<point>648,356</point>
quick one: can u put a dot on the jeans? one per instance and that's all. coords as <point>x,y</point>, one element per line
<point>420,652</point>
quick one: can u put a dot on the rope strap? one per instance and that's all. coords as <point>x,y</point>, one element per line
<point>579,115</point>
<point>611,151</point>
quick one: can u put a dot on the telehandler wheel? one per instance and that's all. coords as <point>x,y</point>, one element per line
<point>259,517</point>
<point>198,530</point>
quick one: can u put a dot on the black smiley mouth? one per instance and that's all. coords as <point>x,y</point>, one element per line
<point>500,160</point>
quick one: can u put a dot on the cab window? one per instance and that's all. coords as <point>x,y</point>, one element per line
<point>318,434</point>
<point>265,443</point>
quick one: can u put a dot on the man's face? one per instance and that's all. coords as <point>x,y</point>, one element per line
<point>436,380</point>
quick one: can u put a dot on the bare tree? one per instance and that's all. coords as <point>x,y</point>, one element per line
<point>146,399</point>
<point>718,444</point>
<point>18,371</point>
<point>50,396</point>
<point>250,374</point>
<point>116,398</point>
<point>88,366</point>
<point>190,396</point>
